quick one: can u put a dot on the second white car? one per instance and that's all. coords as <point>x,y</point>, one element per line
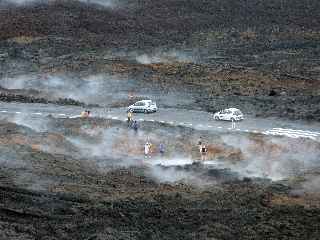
<point>229,114</point>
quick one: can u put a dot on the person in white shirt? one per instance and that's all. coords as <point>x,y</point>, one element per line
<point>147,147</point>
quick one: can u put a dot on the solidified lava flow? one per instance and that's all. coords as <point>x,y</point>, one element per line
<point>78,182</point>
<point>67,174</point>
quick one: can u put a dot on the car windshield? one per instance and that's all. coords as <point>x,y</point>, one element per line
<point>150,103</point>
<point>139,104</point>
<point>237,113</point>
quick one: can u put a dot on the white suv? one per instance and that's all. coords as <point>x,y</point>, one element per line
<point>229,114</point>
<point>146,106</point>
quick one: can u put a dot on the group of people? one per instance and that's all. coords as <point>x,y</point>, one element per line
<point>161,148</point>
<point>147,149</point>
<point>132,123</point>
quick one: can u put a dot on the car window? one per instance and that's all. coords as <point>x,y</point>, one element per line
<point>237,113</point>
<point>139,104</point>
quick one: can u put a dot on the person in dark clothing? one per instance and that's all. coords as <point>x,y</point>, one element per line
<point>135,126</point>
<point>161,149</point>
<point>200,141</point>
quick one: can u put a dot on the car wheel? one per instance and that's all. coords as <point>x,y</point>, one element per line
<point>216,118</point>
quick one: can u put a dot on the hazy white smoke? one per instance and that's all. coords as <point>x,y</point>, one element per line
<point>101,145</point>
<point>92,89</point>
<point>312,185</point>
<point>172,161</point>
<point>104,3</point>
<point>20,2</point>
<point>283,157</point>
<point>162,174</point>
<point>165,57</point>
<point>178,175</point>
<point>38,124</point>
<point>19,82</point>
<point>101,89</point>
<point>10,158</point>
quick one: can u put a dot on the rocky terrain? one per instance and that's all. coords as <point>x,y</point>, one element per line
<point>257,51</point>
<point>68,183</point>
<point>87,178</point>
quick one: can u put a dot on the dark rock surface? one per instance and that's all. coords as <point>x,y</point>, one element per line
<point>48,195</point>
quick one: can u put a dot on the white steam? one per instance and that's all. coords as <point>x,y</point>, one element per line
<point>104,147</point>
<point>20,2</point>
<point>168,174</point>
<point>312,185</point>
<point>10,158</point>
<point>92,89</point>
<point>172,161</point>
<point>104,3</point>
<point>275,158</point>
<point>38,124</point>
<point>100,146</point>
<point>165,57</point>
<point>173,175</point>
<point>19,82</point>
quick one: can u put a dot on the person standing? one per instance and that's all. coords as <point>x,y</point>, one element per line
<point>199,142</point>
<point>135,126</point>
<point>233,123</point>
<point>203,152</point>
<point>84,114</point>
<point>147,147</point>
<point>161,149</point>
<point>129,117</point>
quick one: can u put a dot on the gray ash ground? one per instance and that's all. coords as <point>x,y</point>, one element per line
<point>263,58</point>
<point>87,178</point>
<point>52,189</point>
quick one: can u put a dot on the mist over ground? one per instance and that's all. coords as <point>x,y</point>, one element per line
<point>99,88</point>
<point>63,176</point>
<point>105,146</point>
<point>104,3</point>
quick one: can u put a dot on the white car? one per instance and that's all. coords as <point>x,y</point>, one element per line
<point>229,114</point>
<point>145,106</point>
